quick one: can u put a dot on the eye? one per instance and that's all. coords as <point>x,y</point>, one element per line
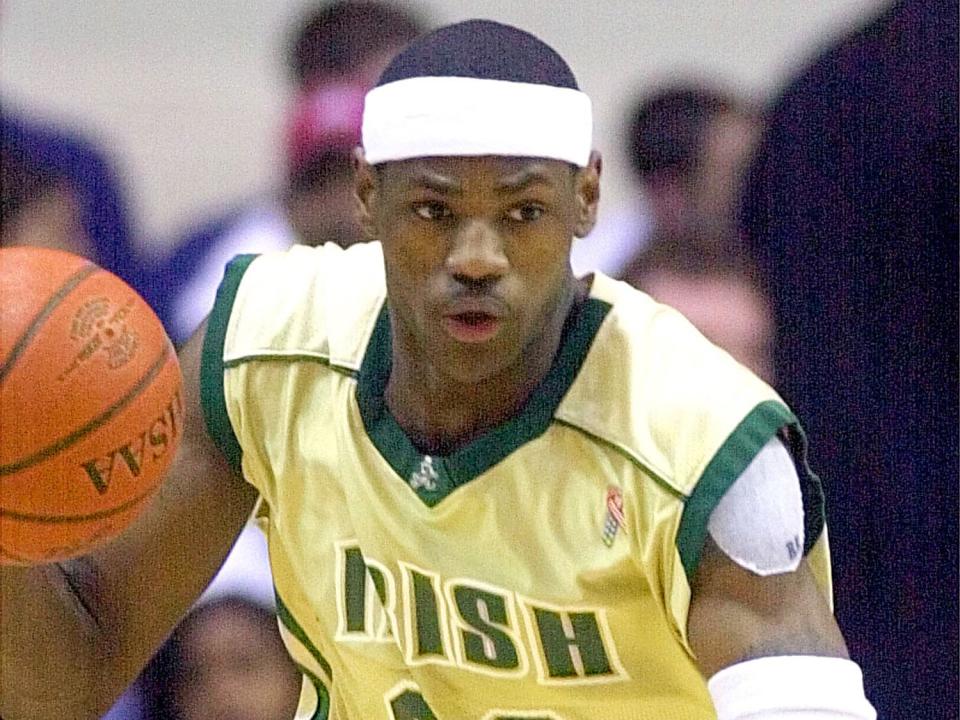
<point>526,213</point>
<point>431,210</point>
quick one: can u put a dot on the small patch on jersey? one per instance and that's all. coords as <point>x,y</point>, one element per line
<point>426,476</point>
<point>615,519</point>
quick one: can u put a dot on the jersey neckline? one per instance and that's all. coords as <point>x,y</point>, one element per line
<point>434,477</point>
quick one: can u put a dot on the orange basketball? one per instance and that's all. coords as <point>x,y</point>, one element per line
<point>90,405</point>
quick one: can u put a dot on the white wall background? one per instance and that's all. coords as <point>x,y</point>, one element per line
<point>188,95</point>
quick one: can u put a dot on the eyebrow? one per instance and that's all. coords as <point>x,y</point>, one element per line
<point>519,180</point>
<point>436,182</point>
<point>524,178</point>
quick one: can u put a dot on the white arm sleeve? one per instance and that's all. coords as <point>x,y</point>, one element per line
<point>798,687</point>
<point>759,520</point>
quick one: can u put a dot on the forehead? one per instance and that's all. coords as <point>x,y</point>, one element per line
<point>493,170</point>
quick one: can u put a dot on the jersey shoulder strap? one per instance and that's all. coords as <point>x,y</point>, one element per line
<point>309,303</point>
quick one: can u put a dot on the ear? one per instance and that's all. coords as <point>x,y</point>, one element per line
<point>365,191</point>
<point>587,188</point>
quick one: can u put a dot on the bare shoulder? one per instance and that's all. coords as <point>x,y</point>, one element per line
<point>736,615</point>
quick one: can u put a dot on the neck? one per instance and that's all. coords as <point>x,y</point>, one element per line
<point>441,414</point>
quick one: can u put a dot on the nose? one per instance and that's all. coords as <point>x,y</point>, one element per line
<point>477,254</point>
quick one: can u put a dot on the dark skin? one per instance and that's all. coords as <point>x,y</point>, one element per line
<point>485,236</point>
<point>479,282</point>
<point>502,227</point>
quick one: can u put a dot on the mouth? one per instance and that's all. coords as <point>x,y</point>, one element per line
<point>472,326</point>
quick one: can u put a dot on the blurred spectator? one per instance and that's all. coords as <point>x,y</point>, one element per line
<point>851,210</point>
<point>71,172</point>
<point>224,661</point>
<point>38,207</point>
<point>715,288</point>
<point>335,56</point>
<point>688,145</point>
<point>349,37</point>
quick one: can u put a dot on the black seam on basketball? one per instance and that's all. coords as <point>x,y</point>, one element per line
<point>68,519</point>
<point>77,434</point>
<point>20,345</point>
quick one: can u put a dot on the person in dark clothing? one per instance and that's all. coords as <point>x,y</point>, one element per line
<point>851,210</point>
<point>93,183</point>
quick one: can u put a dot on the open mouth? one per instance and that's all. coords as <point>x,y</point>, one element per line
<point>472,326</point>
<point>474,318</point>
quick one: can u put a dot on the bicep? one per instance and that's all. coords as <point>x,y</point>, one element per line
<point>753,594</point>
<point>150,576</point>
<point>736,615</point>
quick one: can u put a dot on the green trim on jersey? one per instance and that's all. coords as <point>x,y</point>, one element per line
<point>432,477</point>
<point>729,462</point>
<point>212,398</point>
<point>291,624</point>
<point>814,503</point>
<point>323,695</point>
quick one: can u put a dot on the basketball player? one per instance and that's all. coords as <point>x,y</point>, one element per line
<point>491,490</point>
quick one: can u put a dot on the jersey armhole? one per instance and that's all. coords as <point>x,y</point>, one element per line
<point>814,503</point>
<point>212,395</point>
<point>728,463</point>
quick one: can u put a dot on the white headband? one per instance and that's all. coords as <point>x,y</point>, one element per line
<point>444,116</point>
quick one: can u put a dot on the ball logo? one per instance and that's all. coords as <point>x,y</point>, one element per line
<point>100,329</point>
<point>129,459</point>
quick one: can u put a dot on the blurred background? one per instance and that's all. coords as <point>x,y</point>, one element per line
<point>190,98</point>
<point>783,173</point>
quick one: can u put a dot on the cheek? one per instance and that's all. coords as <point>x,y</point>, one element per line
<point>411,252</point>
<point>541,260</point>
<point>543,284</point>
<point>411,277</point>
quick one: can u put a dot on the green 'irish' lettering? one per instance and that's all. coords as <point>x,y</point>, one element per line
<point>410,705</point>
<point>486,614</point>
<point>572,644</point>
<point>362,614</point>
<point>355,589</point>
<point>429,638</point>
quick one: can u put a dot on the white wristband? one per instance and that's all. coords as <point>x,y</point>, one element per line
<point>798,687</point>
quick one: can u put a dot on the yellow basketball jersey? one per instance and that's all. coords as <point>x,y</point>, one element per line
<point>540,572</point>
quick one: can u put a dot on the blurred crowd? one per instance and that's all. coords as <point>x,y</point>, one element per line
<point>812,234</point>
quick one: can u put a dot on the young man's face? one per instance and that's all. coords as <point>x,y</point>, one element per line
<point>477,253</point>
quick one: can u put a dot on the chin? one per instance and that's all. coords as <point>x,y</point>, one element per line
<point>470,365</point>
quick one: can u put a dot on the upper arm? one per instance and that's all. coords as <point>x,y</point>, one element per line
<point>757,601</point>
<point>169,556</point>
<point>98,619</point>
<point>736,615</point>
